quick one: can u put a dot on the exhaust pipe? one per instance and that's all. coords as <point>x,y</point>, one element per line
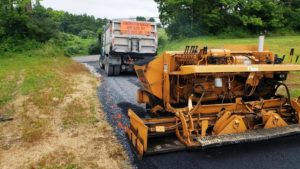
<point>261,43</point>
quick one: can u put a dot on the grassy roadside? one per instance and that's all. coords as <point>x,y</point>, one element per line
<point>31,73</point>
<point>58,122</point>
<point>280,45</point>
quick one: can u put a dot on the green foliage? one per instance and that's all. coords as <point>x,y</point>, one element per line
<point>72,50</point>
<point>94,48</point>
<point>141,18</point>
<point>24,28</point>
<point>19,21</point>
<point>11,45</point>
<point>203,17</point>
<point>75,24</point>
<point>159,25</point>
<point>232,32</point>
<point>162,39</point>
<point>72,44</point>
<point>41,26</point>
<point>87,34</point>
<point>181,27</point>
<point>151,20</point>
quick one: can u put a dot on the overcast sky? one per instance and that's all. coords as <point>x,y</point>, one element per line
<point>111,9</point>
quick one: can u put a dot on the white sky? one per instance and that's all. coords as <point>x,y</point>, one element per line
<point>111,9</point>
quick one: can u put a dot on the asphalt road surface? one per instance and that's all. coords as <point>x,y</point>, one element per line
<point>117,94</point>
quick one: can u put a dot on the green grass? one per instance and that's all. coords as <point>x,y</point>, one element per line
<point>27,72</point>
<point>33,73</point>
<point>42,76</point>
<point>162,33</point>
<point>279,45</point>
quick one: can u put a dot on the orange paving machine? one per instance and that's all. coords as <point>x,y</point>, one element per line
<point>213,97</point>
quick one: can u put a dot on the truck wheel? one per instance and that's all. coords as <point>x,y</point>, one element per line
<point>148,107</point>
<point>117,70</point>
<point>109,69</point>
<point>101,64</point>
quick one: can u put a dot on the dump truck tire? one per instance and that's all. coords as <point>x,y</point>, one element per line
<point>117,70</point>
<point>109,69</point>
<point>101,64</point>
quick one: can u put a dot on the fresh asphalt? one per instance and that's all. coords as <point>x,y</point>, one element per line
<point>117,94</point>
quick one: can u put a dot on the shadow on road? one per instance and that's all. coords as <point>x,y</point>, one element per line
<point>276,154</point>
<point>137,109</point>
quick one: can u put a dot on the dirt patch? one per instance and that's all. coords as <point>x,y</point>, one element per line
<point>68,133</point>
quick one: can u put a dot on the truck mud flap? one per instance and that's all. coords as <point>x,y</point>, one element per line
<point>250,136</point>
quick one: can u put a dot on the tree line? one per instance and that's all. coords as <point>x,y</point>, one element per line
<point>20,19</point>
<point>187,18</point>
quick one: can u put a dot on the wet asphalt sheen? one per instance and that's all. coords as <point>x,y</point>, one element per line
<point>117,94</point>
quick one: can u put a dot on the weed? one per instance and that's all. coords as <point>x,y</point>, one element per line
<point>32,128</point>
<point>52,162</point>
<point>77,113</point>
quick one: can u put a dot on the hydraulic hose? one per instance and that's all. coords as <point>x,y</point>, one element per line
<point>199,101</point>
<point>286,89</point>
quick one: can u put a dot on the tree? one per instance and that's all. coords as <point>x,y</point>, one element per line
<point>292,14</point>
<point>41,26</point>
<point>76,23</point>
<point>198,17</point>
<point>19,20</point>
<point>140,18</point>
<point>151,20</point>
<point>28,5</point>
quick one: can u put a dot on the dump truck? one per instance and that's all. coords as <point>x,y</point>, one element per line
<point>124,42</point>
<point>202,98</point>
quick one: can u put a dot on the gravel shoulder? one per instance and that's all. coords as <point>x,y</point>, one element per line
<point>73,132</point>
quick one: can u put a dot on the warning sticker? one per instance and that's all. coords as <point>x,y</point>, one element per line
<point>160,129</point>
<point>166,68</point>
<point>135,28</point>
<point>253,69</point>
